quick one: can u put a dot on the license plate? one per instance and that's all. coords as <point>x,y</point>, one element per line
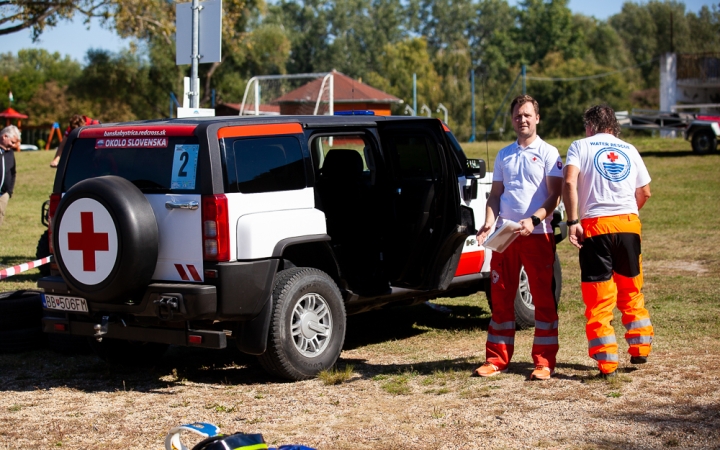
<point>72,304</point>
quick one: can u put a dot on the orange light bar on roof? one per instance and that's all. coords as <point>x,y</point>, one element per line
<point>260,130</point>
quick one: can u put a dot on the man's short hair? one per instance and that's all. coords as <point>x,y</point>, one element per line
<point>521,100</point>
<point>601,119</point>
<point>77,121</point>
<point>12,131</point>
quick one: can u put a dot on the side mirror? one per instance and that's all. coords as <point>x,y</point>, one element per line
<point>475,169</point>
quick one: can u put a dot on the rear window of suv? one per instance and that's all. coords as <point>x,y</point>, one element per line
<point>171,168</point>
<point>265,164</point>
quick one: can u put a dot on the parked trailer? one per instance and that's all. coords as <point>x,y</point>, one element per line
<point>701,129</point>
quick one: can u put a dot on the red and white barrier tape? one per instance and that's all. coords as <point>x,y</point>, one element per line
<point>20,268</point>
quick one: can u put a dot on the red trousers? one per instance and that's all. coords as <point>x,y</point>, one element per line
<point>537,254</point>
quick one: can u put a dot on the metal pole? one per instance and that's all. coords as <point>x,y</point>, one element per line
<point>195,57</point>
<point>472,101</point>
<point>331,97</point>
<point>524,76</point>
<point>257,97</point>
<point>414,95</point>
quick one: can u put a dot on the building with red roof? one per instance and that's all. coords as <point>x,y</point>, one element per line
<point>349,95</point>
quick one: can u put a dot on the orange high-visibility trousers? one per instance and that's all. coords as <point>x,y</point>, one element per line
<point>611,274</point>
<point>537,254</point>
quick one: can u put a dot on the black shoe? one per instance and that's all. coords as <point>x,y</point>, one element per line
<point>606,376</point>
<point>638,359</point>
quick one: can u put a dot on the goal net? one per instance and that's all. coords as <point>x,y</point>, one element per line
<point>302,93</point>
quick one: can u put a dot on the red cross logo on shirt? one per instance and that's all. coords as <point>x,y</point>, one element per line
<point>88,241</point>
<point>612,156</point>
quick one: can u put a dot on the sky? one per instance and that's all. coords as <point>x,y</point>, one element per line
<point>74,39</point>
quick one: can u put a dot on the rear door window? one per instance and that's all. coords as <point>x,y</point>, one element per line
<point>265,164</point>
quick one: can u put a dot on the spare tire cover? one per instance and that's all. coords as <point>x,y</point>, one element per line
<point>105,238</point>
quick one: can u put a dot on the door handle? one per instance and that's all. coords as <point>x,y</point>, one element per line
<point>191,205</point>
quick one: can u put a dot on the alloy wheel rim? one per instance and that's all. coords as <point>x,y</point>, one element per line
<point>311,325</point>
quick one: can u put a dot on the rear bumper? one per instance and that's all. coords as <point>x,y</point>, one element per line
<point>118,330</point>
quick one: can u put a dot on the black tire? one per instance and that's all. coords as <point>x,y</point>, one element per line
<point>41,251</point>
<point>23,340</point>
<point>524,308</point>
<point>128,353</point>
<point>704,142</point>
<point>302,356</point>
<point>132,219</point>
<point>20,310</point>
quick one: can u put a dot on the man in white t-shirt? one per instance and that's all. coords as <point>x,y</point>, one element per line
<point>606,184</point>
<point>527,182</point>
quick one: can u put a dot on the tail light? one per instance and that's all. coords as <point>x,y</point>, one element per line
<point>54,201</point>
<point>215,228</point>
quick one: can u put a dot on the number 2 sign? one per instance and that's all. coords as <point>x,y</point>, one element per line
<point>184,166</point>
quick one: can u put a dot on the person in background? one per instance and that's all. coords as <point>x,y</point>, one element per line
<point>9,143</point>
<point>75,121</point>
<point>606,184</point>
<point>527,182</point>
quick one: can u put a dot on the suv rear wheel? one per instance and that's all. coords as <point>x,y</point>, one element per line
<point>307,329</point>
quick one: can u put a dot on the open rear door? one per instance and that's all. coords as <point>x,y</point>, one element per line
<point>425,238</point>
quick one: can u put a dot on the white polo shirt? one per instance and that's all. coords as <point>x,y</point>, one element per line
<point>610,172</point>
<point>523,172</point>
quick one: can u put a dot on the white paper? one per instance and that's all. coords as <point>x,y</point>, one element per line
<point>503,236</point>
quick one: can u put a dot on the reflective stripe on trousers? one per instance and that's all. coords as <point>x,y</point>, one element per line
<point>537,254</point>
<point>602,291</point>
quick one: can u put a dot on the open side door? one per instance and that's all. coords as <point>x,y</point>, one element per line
<point>424,239</point>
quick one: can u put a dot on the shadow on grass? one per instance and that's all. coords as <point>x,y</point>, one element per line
<point>404,322</point>
<point>461,365</point>
<point>44,369</point>
<point>682,426</point>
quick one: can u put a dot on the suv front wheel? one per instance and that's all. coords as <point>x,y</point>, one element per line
<point>307,328</point>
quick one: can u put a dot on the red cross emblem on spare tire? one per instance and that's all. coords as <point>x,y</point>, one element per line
<point>88,241</point>
<point>105,238</point>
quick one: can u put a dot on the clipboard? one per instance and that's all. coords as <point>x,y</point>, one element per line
<point>503,236</point>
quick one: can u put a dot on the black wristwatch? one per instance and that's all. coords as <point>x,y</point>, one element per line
<point>573,222</point>
<point>535,220</point>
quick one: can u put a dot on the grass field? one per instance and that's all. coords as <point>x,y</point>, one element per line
<point>402,380</point>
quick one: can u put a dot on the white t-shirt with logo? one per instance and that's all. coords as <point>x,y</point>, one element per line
<point>610,172</point>
<point>523,172</point>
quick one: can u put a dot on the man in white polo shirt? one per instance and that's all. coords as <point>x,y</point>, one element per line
<point>527,182</point>
<point>606,184</point>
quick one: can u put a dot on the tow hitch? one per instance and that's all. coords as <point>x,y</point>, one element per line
<point>101,328</point>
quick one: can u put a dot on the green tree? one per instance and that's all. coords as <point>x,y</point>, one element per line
<point>562,103</point>
<point>29,71</point>
<point>398,62</point>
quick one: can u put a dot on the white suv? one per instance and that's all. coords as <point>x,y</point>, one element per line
<point>268,231</point>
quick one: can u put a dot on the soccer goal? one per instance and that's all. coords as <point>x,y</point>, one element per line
<point>300,93</point>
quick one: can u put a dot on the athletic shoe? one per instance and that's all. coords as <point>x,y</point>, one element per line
<point>488,370</point>
<point>542,373</point>
<point>638,359</point>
